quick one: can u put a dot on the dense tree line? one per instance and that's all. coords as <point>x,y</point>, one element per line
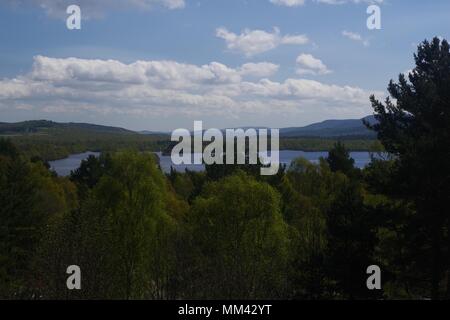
<point>58,141</point>
<point>310,232</point>
<point>137,233</point>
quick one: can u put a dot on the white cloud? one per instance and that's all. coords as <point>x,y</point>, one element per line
<point>297,3</point>
<point>97,8</point>
<point>252,42</point>
<point>169,88</point>
<point>356,37</point>
<point>288,3</point>
<point>262,69</point>
<point>308,64</point>
<point>350,1</point>
<point>296,39</point>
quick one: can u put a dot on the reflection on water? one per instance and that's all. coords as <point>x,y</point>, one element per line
<point>286,156</point>
<point>63,167</point>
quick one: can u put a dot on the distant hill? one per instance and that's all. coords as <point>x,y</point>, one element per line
<point>45,126</point>
<point>328,129</point>
<point>352,128</point>
<point>151,133</point>
<point>332,129</point>
<point>49,140</point>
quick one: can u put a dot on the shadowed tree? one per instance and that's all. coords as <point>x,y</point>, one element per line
<point>414,126</point>
<point>339,159</point>
<point>30,198</point>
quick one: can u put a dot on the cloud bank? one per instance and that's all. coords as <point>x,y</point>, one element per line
<point>252,42</point>
<point>308,64</point>
<point>167,88</point>
<point>298,3</point>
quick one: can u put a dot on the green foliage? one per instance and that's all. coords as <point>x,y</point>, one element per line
<point>30,197</point>
<point>122,235</point>
<point>243,248</point>
<point>352,240</point>
<point>50,141</point>
<point>308,222</point>
<point>308,191</point>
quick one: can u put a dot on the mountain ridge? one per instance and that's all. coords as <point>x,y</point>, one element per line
<point>36,126</point>
<point>325,129</point>
<point>331,128</point>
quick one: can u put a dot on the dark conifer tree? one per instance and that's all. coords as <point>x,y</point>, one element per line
<point>414,126</point>
<point>339,159</point>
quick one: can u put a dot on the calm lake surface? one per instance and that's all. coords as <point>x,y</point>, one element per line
<point>63,167</point>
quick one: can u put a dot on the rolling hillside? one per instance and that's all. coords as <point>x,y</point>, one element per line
<point>50,140</point>
<point>332,129</point>
<point>48,127</point>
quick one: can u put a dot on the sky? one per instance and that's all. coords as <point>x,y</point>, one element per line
<point>159,65</point>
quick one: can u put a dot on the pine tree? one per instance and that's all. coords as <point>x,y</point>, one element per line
<point>414,126</point>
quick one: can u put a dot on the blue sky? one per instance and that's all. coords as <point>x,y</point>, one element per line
<point>161,64</point>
